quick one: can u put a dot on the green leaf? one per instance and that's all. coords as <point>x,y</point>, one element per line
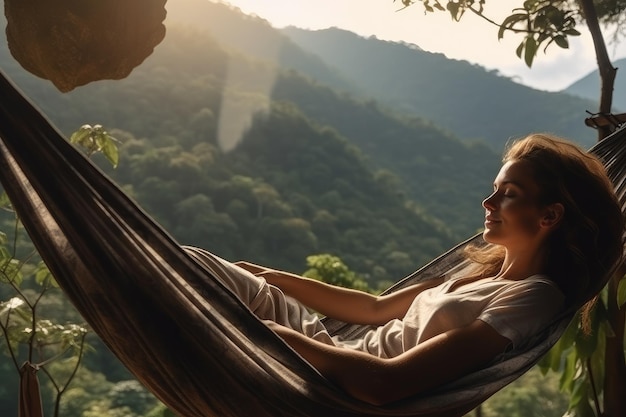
<point>598,363</point>
<point>80,135</point>
<point>510,22</point>
<point>566,381</point>
<point>578,394</point>
<point>572,32</point>
<point>96,139</point>
<point>109,150</point>
<point>551,361</point>
<point>569,335</point>
<point>531,51</point>
<point>621,292</point>
<point>583,408</point>
<point>10,271</point>
<point>43,276</point>
<point>586,345</point>
<point>501,32</point>
<point>561,41</point>
<point>540,22</point>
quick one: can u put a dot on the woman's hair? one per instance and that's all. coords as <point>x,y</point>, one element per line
<point>587,244</point>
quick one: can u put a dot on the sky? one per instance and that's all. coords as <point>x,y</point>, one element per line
<point>472,39</point>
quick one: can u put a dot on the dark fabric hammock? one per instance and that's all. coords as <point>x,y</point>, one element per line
<point>177,329</point>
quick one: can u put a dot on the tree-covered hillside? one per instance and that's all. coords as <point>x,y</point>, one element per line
<point>439,173</point>
<point>197,87</point>
<point>470,101</point>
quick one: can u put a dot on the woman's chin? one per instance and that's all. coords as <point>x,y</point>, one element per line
<point>489,236</point>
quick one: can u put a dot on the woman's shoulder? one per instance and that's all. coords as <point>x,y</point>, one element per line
<point>538,280</point>
<point>537,286</point>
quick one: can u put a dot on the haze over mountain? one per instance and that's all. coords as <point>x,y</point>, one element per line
<point>589,86</point>
<point>466,99</point>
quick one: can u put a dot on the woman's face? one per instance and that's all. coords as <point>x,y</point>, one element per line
<point>512,212</point>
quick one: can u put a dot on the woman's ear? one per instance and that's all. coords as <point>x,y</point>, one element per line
<point>552,215</point>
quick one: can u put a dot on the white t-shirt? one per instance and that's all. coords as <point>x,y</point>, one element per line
<point>515,309</point>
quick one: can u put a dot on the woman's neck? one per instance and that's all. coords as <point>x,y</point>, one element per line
<point>522,264</point>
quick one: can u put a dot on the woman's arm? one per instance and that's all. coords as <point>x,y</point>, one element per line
<point>343,304</point>
<point>378,381</point>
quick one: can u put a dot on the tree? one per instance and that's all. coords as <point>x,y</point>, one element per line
<point>332,270</point>
<point>595,364</point>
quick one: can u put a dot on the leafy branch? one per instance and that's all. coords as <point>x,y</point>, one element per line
<point>542,22</point>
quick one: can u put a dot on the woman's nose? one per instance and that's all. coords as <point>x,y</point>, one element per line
<point>489,202</point>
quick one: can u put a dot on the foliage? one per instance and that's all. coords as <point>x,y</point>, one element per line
<point>532,395</point>
<point>29,339</point>
<point>332,270</point>
<point>290,189</point>
<point>540,22</point>
<point>94,139</point>
<point>579,358</point>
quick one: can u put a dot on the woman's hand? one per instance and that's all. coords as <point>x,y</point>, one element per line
<point>345,304</point>
<point>250,267</point>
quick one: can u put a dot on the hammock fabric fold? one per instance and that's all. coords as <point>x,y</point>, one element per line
<point>176,328</point>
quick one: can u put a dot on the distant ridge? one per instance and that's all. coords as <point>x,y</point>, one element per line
<point>464,98</point>
<point>589,86</point>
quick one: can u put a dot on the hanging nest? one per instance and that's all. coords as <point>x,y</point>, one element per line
<point>74,42</point>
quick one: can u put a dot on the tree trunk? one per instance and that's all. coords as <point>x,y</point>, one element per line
<point>605,68</point>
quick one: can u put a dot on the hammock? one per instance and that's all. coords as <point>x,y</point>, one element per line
<point>178,330</point>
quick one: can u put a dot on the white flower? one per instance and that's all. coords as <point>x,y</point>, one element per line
<point>14,302</point>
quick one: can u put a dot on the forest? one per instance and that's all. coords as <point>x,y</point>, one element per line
<point>254,159</point>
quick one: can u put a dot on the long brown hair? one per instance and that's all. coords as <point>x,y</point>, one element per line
<point>588,244</point>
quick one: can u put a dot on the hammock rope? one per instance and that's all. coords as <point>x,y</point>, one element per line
<point>184,335</point>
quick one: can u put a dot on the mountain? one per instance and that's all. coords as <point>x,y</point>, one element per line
<point>464,99</point>
<point>419,152</point>
<point>255,38</point>
<point>589,87</point>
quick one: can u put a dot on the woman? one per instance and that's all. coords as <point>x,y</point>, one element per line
<point>556,232</point>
